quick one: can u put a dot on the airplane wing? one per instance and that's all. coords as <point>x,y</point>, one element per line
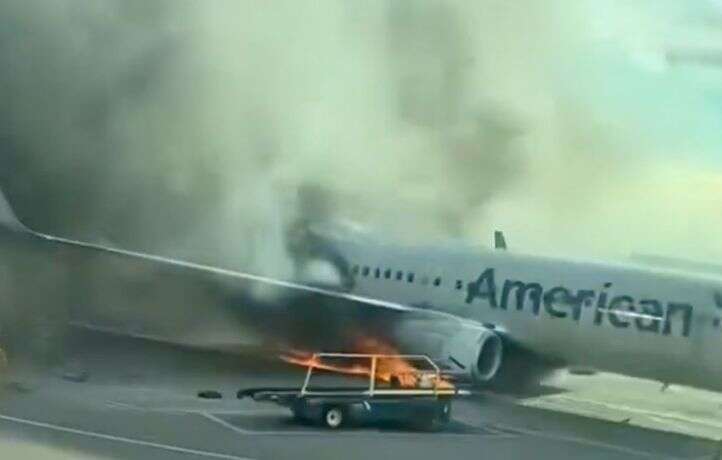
<point>130,293</point>
<point>197,305</point>
<point>187,304</point>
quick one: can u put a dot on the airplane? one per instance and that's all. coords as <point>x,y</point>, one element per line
<point>495,316</point>
<point>648,322</point>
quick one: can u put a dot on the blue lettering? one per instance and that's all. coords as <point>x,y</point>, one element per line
<point>532,291</point>
<point>557,297</point>
<point>623,302</point>
<point>655,314</point>
<point>622,311</point>
<point>483,288</point>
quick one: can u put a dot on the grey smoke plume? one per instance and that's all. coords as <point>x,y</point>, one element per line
<point>185,128</point>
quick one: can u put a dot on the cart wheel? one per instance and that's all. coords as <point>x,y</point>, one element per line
<point>333,416</point>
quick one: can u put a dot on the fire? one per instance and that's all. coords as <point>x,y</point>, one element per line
<point>356,369</point>
<point>389,368</point>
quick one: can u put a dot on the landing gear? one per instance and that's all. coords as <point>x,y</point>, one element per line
<point>521,372</point>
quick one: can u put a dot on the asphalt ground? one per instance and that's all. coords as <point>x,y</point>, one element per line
<point>132,399</point>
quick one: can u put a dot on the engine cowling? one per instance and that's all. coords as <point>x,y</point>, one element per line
<point>471,350</point>
<point>476,350</point>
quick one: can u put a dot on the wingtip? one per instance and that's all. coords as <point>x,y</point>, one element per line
<point>8,219</point>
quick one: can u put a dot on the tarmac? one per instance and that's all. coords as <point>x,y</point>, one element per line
<point>122,398</point>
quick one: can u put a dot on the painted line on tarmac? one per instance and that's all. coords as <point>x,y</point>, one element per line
<point>491,433</point>
<point>213,415</point>
<point>670,417</point>
<point>187,410</point>
<point>108,437</point>
<point>245,432</point>
<point>497,431</point>
<point>570,439</point>
<point>227,425</point>
<point>586,442</point>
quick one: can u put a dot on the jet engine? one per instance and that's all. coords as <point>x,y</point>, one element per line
<point>469,350</point>
<point>476,350</point>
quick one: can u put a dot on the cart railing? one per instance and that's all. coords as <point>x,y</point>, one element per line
<point>372,390</point>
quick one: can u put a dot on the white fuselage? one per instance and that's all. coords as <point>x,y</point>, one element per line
<point>637,321</point>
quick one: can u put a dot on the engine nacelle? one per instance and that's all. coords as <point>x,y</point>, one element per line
<point>469,349</point>
<point>475,349</point>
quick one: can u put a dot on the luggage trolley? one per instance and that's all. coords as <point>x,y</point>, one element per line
<point>416,392</point>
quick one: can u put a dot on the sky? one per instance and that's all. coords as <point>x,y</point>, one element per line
<point>188,128</point>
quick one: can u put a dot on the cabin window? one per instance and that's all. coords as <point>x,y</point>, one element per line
<point>387,273</point>
<point>365,271</point>
<point>377,272</point>
<point>437,281</point>
<point>354,270</point>
<point>410,277</point>
<point>399,275</point>
<point>459,284</point>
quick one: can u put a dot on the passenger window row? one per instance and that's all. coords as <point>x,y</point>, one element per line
<point>388,274</point>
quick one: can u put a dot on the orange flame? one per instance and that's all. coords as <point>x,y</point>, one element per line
<point>389,369</point>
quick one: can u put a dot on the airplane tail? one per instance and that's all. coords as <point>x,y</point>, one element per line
<point>8,219</point>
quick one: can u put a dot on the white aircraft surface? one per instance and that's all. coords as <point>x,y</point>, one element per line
<point>493,316</point>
